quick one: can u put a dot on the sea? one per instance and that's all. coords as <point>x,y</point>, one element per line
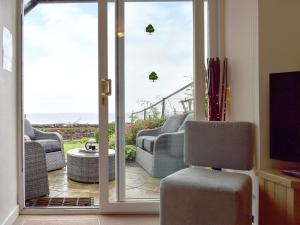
<point>83,118</point>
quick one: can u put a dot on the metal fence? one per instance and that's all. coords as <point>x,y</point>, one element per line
<point>178,102</point>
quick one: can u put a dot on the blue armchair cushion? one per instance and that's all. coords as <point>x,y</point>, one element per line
<point>149,143</point>
<point>140,141</point>
<point>28,130</point>
<point>173,123</point>
<point>146,143</point>
<point>50,145</point>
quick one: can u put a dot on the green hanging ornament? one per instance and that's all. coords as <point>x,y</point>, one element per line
<point>153,76</point>
<point>150,29</point>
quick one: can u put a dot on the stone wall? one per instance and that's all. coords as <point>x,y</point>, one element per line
<point>69,131</point>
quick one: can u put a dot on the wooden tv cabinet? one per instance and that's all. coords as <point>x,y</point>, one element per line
<point>279,198</point>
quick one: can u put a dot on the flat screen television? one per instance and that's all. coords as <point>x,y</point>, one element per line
<point>285,116</point>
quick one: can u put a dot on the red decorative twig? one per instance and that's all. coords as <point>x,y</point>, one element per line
<point>226,88</point>
<point>216,89</point>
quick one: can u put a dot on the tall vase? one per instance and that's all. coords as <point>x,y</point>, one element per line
<point>216,84</point>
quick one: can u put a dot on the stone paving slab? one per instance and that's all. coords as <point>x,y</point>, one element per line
<point>139,185</point>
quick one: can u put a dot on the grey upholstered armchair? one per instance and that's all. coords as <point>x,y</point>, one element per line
<point>36,175</point>
<point>160,150</point>
<point>199,195</point>
<point>51,142</point>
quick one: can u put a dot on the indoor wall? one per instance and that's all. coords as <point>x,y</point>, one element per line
<point>260,37</point>
<point>241,48</point>
<point>279,51</point>
<point>8,125</point>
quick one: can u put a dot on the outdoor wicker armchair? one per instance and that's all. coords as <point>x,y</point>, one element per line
<point>52,144</point>
<point>160,150</point>
<point>36,175</point>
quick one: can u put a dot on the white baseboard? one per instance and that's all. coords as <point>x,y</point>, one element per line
<point>11,218</point>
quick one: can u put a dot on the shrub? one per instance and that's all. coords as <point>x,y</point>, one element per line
<point>159,121</point>
<point>111,128</point>
<point>111,131</point>
<point>111,141</point>
<point>97,135</point>
<point>130,151</point>
<point>133,129</point>
<point>84,140</point>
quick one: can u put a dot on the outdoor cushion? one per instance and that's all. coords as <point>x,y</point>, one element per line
<point>49,145</point>
<point>173,123</point>
<point>149,143</point>
<point>140,141</point>
<point>26,138</point>
<point>28,130</point>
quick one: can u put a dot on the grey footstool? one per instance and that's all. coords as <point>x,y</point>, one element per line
<point>202,196</point>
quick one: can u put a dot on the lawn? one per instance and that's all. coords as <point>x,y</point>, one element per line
<point>130,150</point>
<point>68,145</point>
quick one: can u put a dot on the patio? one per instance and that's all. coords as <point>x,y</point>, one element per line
<point>157,154</point>
<point>139,185</point>
<point>144,163</point>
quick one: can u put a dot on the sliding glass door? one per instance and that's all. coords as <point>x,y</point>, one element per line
<point>156,46</point>
<point>158,86</point>
<point>146,82</point>
<point>60,80</point>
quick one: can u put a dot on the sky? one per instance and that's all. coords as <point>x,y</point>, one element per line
<point>61,50</point>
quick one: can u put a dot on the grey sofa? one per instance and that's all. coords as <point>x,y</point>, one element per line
<point>160,151</point>
<point>36,175</point>
<point>51,142</point>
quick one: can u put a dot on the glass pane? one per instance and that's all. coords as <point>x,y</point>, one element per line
<point>61,95</point>
<point>111,102</point>
<point>158,85</point>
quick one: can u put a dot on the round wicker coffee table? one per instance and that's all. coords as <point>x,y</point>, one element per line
<point>83,166</point>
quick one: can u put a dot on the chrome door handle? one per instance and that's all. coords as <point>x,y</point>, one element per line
<point>105,87</point>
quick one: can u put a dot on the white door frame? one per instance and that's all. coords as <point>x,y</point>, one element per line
<point>199,85</point>
<point>20,113</point>
<point>120,98</point>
